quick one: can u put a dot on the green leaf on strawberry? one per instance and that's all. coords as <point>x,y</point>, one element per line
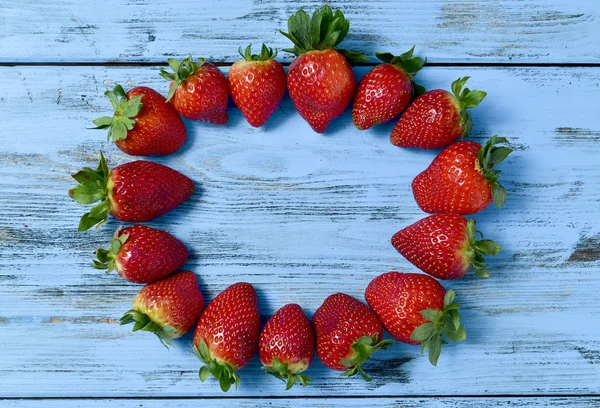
<point>144,322</point>
<point>92,187</point>
<point>441,324</point>
<point>324,30</point>
<point>220,370</point>
<point>466,99</point>
<point>363,348</point>
<point>181,71</point>
<point>125,110</point>
<point>489,155</point>
<point>281,370</point>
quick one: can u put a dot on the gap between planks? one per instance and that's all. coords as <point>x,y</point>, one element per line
<point>305,397</point>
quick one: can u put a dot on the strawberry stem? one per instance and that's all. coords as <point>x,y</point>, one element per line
<point>144,322</point>
<point>408,63</point>
<point>363,349</point>
<point>93,186</point>
<point>324,30</point>
<point>440,325</point>
<point>182,70</point>
<point>107,258</point>
<point>467,99</point>
<point>219,369</point>
<point>488,156</point>
<point>266,53</point>
<point>476,249</point>
<point>124,113</point>
<point>281,370</point>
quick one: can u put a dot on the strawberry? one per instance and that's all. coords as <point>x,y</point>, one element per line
<point>415,309</point>
<point>348,333</point>
<point>437,118</point>
<point>257,84</point>
<point>320,79</point>
<point>445,246</point>
<point>141,254</point>
<point>143,123</point>
<point>385,91</point>
<point>198,90</point>
<point>287,345</point>
<point>168,307</point>
<point>226,337</point>
<point>137,191</point>
<point>461,180</point>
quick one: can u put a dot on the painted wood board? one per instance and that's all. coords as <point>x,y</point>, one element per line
<point>301,215</point>
<point>525,402</point>
<point>478,31</point>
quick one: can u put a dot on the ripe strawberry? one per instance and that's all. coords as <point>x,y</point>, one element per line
<point>348,333</point>
<point>461,180</point>
<point>198,90</point>
<point>143,123</point>
<point>257,84</point>
<point>385,91</point>
<point>320,79</point>
<point>168,307</point>
<point>445,246</point>
<point>415,309</point>
<point>137,191</point>
<point>437,118</point>
<point>141,254</point>
<point>227,334</point>
<point>287,345</point>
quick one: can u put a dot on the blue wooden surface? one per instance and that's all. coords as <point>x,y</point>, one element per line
<point>505,31</point>
<point>300,215</point>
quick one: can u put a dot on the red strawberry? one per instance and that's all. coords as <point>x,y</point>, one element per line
<point>198,90</point>
<point>143,123</point>
<point>287,345</point>
<point>135,192</point>
<point>320,79</point>
<point>415,309</point>
<point>141,254</point>
<point>445,246</point>
<point>226,337</point>
<point>385,91</point>
<point>437,118</point>
<point>348,333</point>
<point>257,84</point>
<point>168,307</point>
<point>461,179</point>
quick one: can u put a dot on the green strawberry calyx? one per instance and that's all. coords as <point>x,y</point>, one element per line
<point>182,70</point>
<point>266,53</point>
<point>440,325</point>
<point>93,186</point>
<point>286,374</point>
<point>323,31</point>
<point>467,99</point>
<point>488,156</point>
<point>142,321</point>
<point>475,250</point>
<point>408,63</point>
<point>125,110</point>
<point>363,349</point>
<point>107,258</point>
<point>219,369</point>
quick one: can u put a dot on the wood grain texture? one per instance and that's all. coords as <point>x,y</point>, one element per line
<point>538,31</point>
<point>525,402</point>
<point>301,215</point>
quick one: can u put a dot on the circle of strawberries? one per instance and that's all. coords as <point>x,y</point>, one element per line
<point>345,332</point>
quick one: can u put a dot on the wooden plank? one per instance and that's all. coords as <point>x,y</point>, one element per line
<point>301,215</point>
<point>508,31</point>
<point>528,402</point>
